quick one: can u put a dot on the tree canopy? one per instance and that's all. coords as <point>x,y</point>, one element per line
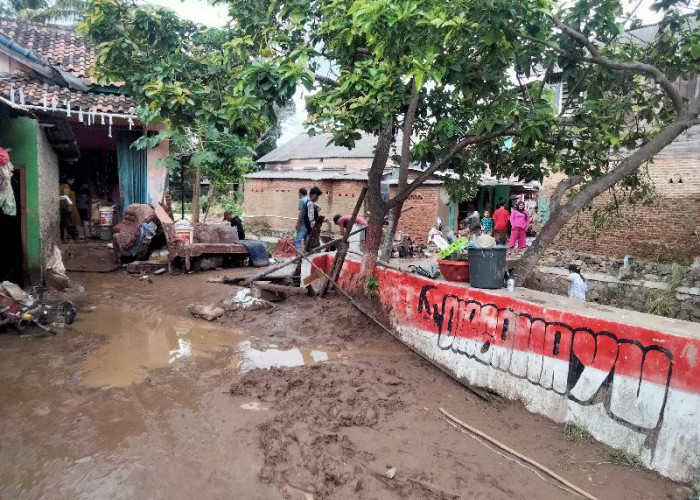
<point>198,82</point>
<point>455,77</point>
<point>44,10</point>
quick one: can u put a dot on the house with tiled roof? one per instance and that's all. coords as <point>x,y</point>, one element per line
<point>341,173</point>
<point>59,123</point>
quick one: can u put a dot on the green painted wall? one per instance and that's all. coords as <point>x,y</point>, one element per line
<point>20,134</point>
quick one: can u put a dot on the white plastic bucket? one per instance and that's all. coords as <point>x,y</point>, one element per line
<point>106,216</point>
<point>184,234</point>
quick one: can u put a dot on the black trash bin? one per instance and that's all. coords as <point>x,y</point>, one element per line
<point>487,267</point>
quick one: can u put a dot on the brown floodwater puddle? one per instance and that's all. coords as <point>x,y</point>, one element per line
<point>138,341</point>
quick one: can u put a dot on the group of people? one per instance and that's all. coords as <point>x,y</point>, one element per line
<point>308,213</point>
<point>308,216</point>
<point>497,225</point>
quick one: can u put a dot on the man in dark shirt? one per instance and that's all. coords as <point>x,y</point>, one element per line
<point>229,216</point>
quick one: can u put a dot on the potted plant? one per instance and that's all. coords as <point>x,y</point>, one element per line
<point>453,262</point>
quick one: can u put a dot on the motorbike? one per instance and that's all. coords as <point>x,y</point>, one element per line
<point>21,310</point>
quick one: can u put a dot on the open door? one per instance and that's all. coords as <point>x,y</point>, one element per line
<point>12,250</point>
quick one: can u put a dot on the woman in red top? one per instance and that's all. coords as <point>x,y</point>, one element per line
<point>519,222</point>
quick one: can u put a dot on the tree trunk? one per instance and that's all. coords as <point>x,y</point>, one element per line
<point>375,203</point>
<point>561,216</point>
<point>211,197</point>
<point>395,212</point>
<point>373,239</point>
<point>545,238</point>
<point>196,193</point>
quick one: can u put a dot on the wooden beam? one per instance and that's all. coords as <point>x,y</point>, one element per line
<point>272,269</point>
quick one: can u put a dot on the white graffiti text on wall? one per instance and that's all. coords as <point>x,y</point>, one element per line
<point>587,366</point>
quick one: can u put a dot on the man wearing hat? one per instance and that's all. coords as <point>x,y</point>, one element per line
<point>229,216</point>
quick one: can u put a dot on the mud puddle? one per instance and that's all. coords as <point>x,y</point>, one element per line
<point>138,341</point>
<point>141,340</point>
<point>251,358</point>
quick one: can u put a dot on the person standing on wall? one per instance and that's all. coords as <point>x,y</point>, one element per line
<point>500,223</point>
<point>519,222</point>
<point>302,233</point>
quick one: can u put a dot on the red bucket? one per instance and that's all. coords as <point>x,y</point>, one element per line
<point>454,270</point>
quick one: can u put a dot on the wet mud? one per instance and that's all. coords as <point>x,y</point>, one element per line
<point>306,400</point>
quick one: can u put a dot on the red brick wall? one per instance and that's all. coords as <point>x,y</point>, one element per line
<point>422,216</point>
<point>275,202</point>
<point>667,230</point>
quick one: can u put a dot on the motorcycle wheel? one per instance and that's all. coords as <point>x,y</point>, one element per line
<point>69,312</point>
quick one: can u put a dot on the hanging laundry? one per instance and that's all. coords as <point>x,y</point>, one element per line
<point>7,196</point>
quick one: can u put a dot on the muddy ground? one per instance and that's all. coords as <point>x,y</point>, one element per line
<point>309,399</point>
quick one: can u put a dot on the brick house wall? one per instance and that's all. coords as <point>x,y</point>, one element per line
<point>274,202</point>
<point>667,230</point>
<point>421,217</point>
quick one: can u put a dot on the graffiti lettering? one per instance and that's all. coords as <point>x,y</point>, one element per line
<point>586,366</point>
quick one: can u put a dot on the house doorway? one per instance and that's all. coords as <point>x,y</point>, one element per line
<point>12,264</point>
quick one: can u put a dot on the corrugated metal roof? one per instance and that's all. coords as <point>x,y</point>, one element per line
<point>305,147</point>
<point>320,175</point>
<point>644,35</point>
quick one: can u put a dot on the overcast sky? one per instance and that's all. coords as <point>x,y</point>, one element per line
<point>201,11</point>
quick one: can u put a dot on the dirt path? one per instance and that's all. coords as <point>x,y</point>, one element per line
<point>138,400</point>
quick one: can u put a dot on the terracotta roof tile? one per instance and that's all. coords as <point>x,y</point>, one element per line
<point>61,46</point>
<point>34,90</point>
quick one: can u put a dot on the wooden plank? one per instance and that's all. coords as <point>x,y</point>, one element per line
<point>23,223</point>
<point>163,215</point>
<point>291,290</point>
<point>273,269</point>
